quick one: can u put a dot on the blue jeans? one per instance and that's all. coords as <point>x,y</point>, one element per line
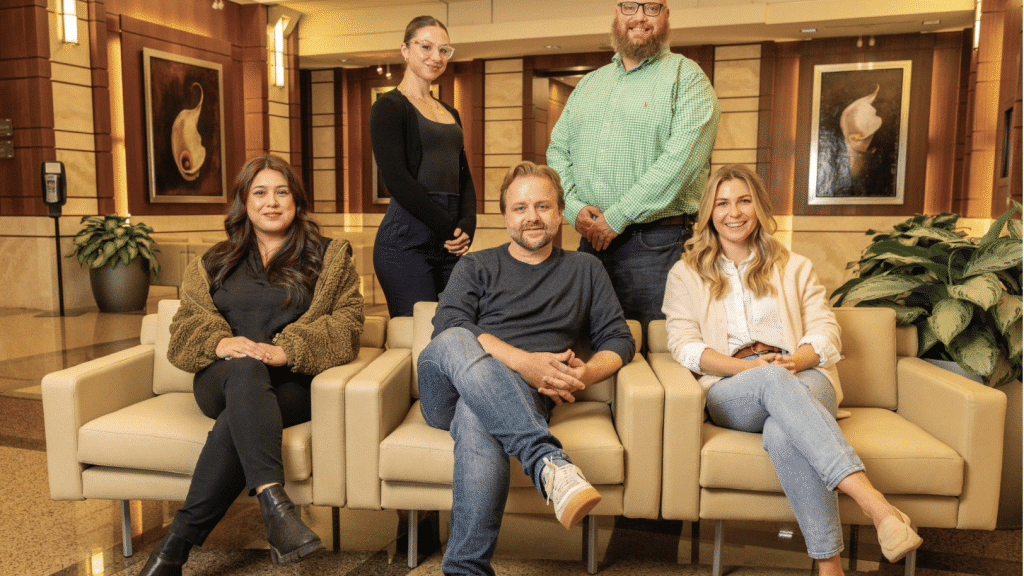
<point>491,413</point>
<point>796,416</point>
<point>638,261</point>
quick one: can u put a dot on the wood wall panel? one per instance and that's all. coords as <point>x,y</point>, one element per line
<point>26,97</point>
<point>1007,170</point>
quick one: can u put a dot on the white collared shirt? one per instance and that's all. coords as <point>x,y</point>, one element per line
<point>753,319</point>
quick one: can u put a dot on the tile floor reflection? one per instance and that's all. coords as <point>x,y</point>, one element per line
<point>43,537</point>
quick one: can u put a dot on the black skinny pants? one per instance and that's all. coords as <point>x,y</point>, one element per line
<point>252,403</point>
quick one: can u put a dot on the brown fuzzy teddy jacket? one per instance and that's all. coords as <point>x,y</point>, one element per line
<point>327,335</point>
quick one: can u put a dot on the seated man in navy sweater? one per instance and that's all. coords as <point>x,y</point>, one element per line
<point>501,358</point>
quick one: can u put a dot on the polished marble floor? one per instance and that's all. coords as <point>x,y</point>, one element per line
<point>43,537</point>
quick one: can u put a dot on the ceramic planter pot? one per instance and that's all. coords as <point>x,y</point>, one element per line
<point>121,288</point>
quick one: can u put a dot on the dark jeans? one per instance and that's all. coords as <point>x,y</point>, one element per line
<point>409,259</point>
<point>638,261</point>
<point>252,403</point>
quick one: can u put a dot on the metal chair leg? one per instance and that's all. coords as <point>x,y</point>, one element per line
<point>336,528</point>
<point>590,543</point>
<point>716,565</point>
<point>854,535</point>
<point>695,542</point>
<point>910,563</point>
<point>414,539</point>
<point>126,528</point>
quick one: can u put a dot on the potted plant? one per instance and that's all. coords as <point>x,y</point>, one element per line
<point>120,257</point>
<point>964,296</point>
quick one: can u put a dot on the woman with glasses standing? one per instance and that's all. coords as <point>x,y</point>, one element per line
<point>418,144</point>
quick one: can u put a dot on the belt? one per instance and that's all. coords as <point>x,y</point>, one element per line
<point>679,220</point>
<point>755,348</point>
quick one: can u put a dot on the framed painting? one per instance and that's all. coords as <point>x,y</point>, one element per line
<point>380,191</point>
<point>184,128</point>
<point>859,126</point>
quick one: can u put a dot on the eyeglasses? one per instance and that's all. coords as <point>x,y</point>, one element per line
<point>445,52</point>
<point>651,9</point>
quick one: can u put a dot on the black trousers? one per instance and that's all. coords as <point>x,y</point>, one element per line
<point>410,261</point>
<point>252,403</point>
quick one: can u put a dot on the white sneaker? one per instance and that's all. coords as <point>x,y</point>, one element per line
<point>572,495</point>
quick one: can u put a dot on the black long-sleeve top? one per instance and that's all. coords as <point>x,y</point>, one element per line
<point>398,149</point>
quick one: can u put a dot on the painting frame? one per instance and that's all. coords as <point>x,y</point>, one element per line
<point>184,120</point>
<point>380,192</point>
<point>859,136</point>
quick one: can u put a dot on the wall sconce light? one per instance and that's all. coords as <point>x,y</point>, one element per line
<point>218,4</point>
<point>69,21</point>
<point>860,41</point>
<point>871,40</point>
<point>380,69</point>
<point>279,50</point>
<point>388,75</point>
<point>977,23</point>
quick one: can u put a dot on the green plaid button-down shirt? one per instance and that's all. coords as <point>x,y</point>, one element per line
<point>619,146</point>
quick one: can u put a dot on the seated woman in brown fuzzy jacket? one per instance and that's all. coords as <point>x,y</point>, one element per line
<point>261,313</point>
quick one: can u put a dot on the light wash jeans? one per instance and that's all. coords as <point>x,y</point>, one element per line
<point>492,414</point>
<point>796,416</point>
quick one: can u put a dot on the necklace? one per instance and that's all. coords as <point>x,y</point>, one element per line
<point>434,105</point>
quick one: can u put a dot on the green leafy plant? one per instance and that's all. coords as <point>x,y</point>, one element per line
<point>110,240</point>
<point>963,294</point>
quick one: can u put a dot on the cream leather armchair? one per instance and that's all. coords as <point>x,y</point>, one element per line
<point>126,427</point>
<point>397,461</point>
<point>931,440</point>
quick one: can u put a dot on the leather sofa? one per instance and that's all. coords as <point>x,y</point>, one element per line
<point>931,440</point>
<point>397,461</point>
<point>126,426</point>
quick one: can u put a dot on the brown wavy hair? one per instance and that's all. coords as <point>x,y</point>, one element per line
<point>421,22</point>
<point>527,168</point>
<point>297,264</point>
<point>703,250</point>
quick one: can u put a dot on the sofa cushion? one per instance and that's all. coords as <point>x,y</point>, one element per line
<point>166,377</point>
<point>868,369</point>
<point>166,433</point>
<point>899,457</point>
<point>415,452</point>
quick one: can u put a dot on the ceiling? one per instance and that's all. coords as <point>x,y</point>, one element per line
<point>357,33</point>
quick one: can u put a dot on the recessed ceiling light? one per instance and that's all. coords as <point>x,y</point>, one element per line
<point>552,46</point>
<point>931,22</point>
<point>808,30</point>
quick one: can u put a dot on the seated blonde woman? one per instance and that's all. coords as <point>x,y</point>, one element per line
<point>753,321</point>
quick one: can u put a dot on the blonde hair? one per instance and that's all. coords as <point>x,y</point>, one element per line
<point>703,250</point>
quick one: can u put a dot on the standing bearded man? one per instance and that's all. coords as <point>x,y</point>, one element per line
<point>633,149</point>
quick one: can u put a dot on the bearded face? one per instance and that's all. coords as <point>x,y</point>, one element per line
<point>638,36</point>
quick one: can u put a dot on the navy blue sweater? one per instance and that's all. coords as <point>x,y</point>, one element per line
<point>565,300</point>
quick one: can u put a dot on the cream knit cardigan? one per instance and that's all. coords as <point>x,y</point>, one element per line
<point>692,315</point>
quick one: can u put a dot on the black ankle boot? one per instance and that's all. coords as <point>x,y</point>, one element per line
<point>290,540</point>
<point>167,558</point>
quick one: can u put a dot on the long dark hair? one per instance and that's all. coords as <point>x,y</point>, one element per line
<point>297,264</point>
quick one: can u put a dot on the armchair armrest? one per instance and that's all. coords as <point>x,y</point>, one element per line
<point>639,411</point>
<point>74,396</point>
<point>966,416</point>
<point>376,401</point>
<point>684,415</point>
<point>327,394</point>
